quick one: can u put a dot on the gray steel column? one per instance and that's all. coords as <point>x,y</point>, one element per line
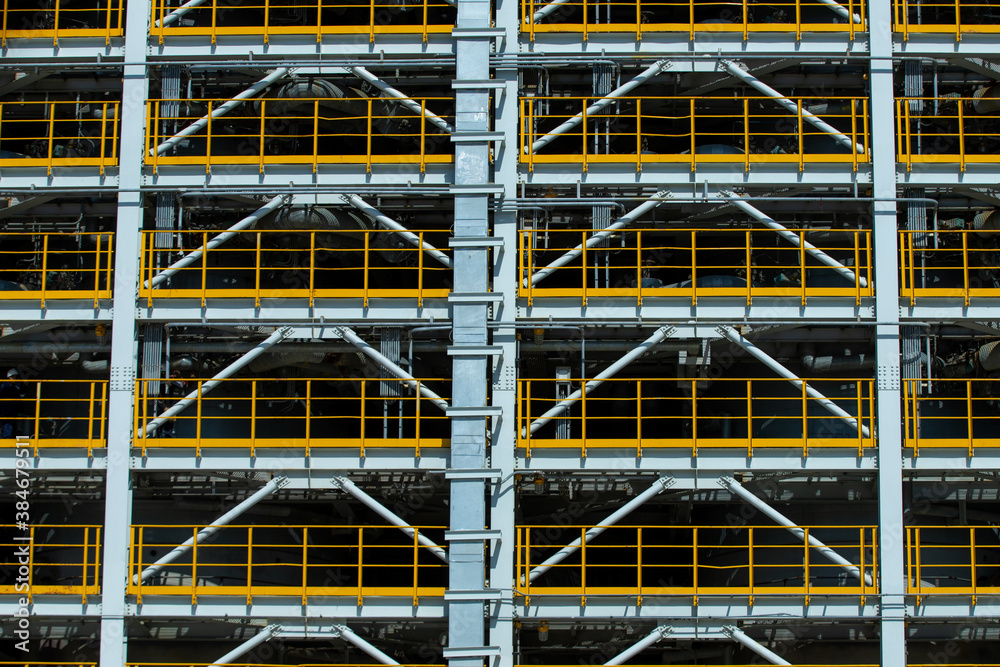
<point>124,348</point>
<point>466,568</point>
<point>889,435</point>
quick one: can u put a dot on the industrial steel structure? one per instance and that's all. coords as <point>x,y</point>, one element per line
<point>526,332</point>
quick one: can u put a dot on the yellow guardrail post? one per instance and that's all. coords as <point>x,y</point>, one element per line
<point>253,418</point>
<point>215,22</point>
<point>423,136</point>
<point>416,423</point>
<point>194,564</point>
<point>638,417</point>
<point>965,264</point>
<point>52,135</point>
<point>583,135</point>
<point>805,420</point>
<point>45,267</point>
<point>586,19</point>
<point>368,136</point>
<point>86,554</point>
<point>746,128</point>
<point>802,266</point>
<point>312,267</point>
<point>104,134</point>
<point>805,553</point>
<point>256,272</point>
<point>308,416</point>
<point>249,564</point>
<point>638,266</point>
<point>315,136</point>
<point>371,21</point>
<point>972,561</point>
<point>197,426</point>
<point>958,20</point>
<point>694,564</point>
<point>961,132</point>
<point>363,407</point>
<point>691,104</point>
<point>638,133</point>
<point>204,267</point>
<point>968,415</point>
<point>750,561</point>
<point>55,25</point>
<point>3,28</point>
<point>305,565</point>
<point>102,421</point>
<point>857,264</point>
<point>319,21</point>
<point>420,270</point>
<point>583,418</point>
<point>267,20</point>
<point>263,116</point>
<point>694,268</point>
<point>583,270</point>
<point>365,297</point>
<point>208,139</point>
<point>749,418</point>
<point>798,111</point>
<point>694,418</point>
<point>361,570</point>
<point>638,20</point>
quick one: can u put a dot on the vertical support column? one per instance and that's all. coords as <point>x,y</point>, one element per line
<point>887,348</point>
<point>118,489</point>
<point>505,279</point>
<point>466,559</point>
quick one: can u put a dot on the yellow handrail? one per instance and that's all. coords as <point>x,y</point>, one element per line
<point>52,134</point>
<point>68,555</point>
<point>58,414</point>
<point>64,267</point>
<point>951,560</point>
<point>955,263</point>
<point>950,414</point>
<point>52,21</point>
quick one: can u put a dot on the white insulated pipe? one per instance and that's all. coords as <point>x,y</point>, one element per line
<point>387,222</point>
<point>544,11</point>
<point>402,98</point>
<point>658,633</point>
<point>226,372</point>
<point>773,364</point>
<point>642,348</point>
<point>203,534</point>
<point>247,646</point>
<point>179,12</point>
<point>643,77</point>
<point>600,236</point>
<point>351,637</point>
<point>221,110</point>
<point>410,381</point>
<point>741,637</point>
<point>658,487</point>
<point>390,516</point>
<point>194,255</point>
<point>741,491</point>
<point>793,238</point>
<point>790,106</point>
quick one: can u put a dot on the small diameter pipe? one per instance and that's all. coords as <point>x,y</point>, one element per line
<point>403,99</point>
<point>790,106</point>
<point>387,222</point>
<point>350,487</point>
<point>738,635</point>
<point>658,487</point>
<point>642,348</point>
<point>221,110</point>
<point>248,645</point>
<point>793,238</point>
<point>624,221</point>
<point>351,637</point>
<point>831,407</point>
<point>228,371</point>
<point>741,491</point>
<point>210,530</point>
<point>410,381</point>
<point>643,77</point>
<point>179,12</point>
<point>194,255</point>
<point>658,633</point>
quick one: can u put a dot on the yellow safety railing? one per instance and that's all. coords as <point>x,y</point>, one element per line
<point>234,664</point>
<point>38,663</point>
<point>294,414</point>
<point>943,16</point>
<point>639,561</point>
<point>320,264</point>
<point>44,559</point>
<point>301,561</point>
<point>37,267</point>
<point>945,130</point>
<point>306,131</point>
<point>693,130</point>
<point>657,413</point>
<point>267,18</point>
<point>696,263</point>
<point>57,414</point>
<point>950,414</point>
<point>641,17</point>
<point>948,263</point>
<point>952,560</point>
<point>31,20</point>
<point>59,134</point>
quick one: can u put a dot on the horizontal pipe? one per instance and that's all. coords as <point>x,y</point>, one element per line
<point>221,110</point>
<point>215,242</point>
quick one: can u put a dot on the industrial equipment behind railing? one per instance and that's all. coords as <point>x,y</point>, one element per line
<point>47,266</point>
<point>952,560</point>
<point>960,263</point>
<point>696,561</point>
<point>59,134</point>
<point>304,131</point>
<point>306,264</point>
<point>297,414</point>
<point>267,18</point>
<point>951,414</point>
<point>944,16</point>
<point>745,414</point>
<point>695,130</point>
<point>55,20</point>
<point>691,16</point>
<point>62,560</point>
<point>300,561</point>
<point>695,263</point>
<point>58,414</point>
<point>947,130</point>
